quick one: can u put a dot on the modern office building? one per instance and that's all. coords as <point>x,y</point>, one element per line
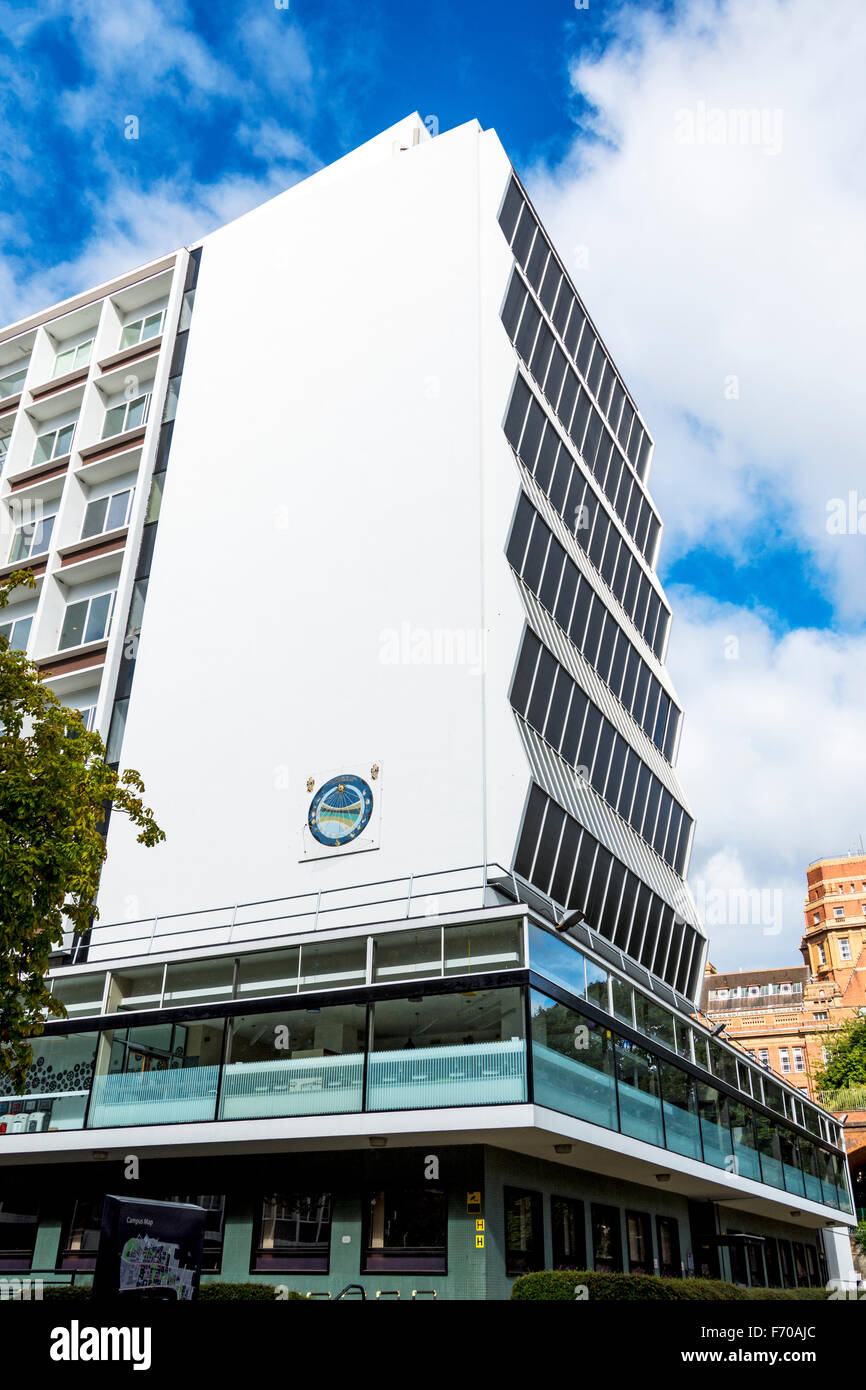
<point>345,542</point>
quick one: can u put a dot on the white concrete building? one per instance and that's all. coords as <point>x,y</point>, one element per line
<point>344,540</point>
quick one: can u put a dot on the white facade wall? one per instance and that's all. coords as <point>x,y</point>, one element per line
<point>330,550</point>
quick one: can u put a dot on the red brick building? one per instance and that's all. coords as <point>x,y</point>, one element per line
<point>785,1016</point>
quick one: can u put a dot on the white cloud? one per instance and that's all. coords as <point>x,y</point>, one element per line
<point>773,760</point>
<point>708,261</point>
<point>132,226</point>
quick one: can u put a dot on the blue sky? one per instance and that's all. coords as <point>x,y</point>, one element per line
<point>722,275</point>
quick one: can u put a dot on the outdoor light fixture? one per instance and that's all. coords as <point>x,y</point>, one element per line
<point>99,1154</point>
<point>663,1177</point>
<point>718,1030</point>
<point>562,1148</point>
<point>571,919</point>
<point>377,1141</point>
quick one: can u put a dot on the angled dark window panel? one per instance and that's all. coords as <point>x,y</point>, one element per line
<point>550,285</point>
<point>524,235</point>
<point>525,673</point>
<point>513,306</point>
<point>512,204</point>
<point>516,413</point>
<point>526,333</point>
<point>548,846</point>
<point>520,529</point>
<point>575,331</point>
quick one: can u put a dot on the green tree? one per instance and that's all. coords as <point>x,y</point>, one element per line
<point>846,1057</point>
<point>54,788</point>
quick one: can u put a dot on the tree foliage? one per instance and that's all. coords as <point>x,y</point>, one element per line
<point>846,1057</point>
<point>55,786</point>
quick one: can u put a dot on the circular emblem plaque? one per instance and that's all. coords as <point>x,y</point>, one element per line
<point>340,810</point>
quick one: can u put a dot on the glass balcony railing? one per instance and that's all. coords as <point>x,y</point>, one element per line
<point>460,1046</point>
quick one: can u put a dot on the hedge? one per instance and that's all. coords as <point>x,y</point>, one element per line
<point>560,1285</point>
<point>208,1293</point>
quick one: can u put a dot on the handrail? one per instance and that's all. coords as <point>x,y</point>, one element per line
<point>100,933</point>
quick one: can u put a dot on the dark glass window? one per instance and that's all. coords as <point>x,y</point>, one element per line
<point>611,553</point>
<point>293,1232</point>
<point>668,1237</point>
<point>565,862</point>
<point>546,457</point>
<point>532,821</point>
<point>567,398</point>
<point>548,845</point>
<point>584,352</point>
<point>572,731</point>
<point>615,771</point>
<point>569,1238</point>
<point>559,482</point>
<point>212,1249</point>
<point>618,660</point>
<point>589,737</point>
<point>771,1256</point>
<point>555,376</point>
<point>654,793</point>
<point>516,413</point>
<point>522,683</point>
<point>642,685</point>
<point>532,432</point>
<point>562,307</point>
<point>603,751</point>
<point>553,567</point>
<point>513,306</point>
<point>537,260</point>
<point>596,372</point>
<point>562,689</point>
<point>616,404</point>
<point>511,206</point>
<point>594,627</point>
<point>522,240</point>
<point>629,778</point>
<point>520,529</point>
<point>406,1231</point>
<point>533,564</point>
<point>542,689</point>
<point>603,860</point>
<point>575,325</point>
<point>583,871</point>
<point>606,1239</point>
<point>625,423</point>
<point>524,1234</point>
<point>527,330</point>
<point>593,438</point>
<point>580,420</point>
<point>786,1260</point>
<point>550,285</point>
<point>640,1242</point>
<point>541,353</point>
<point>565,600</point>
<point>79,1241</point>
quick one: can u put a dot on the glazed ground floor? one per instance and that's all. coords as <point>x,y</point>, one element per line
<point>454,1221</point>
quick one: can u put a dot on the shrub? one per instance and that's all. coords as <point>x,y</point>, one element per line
<point>261,1293</point>
<point>208,1293</point>
<point>560,1285</point>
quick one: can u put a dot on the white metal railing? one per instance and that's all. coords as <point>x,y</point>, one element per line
<point>384,900</point>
